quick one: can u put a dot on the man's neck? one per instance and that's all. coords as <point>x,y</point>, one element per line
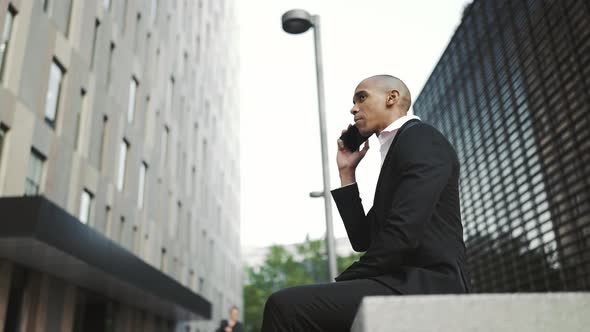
<point>395,116</point>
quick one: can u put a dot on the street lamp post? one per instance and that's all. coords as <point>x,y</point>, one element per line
<point>297,21</point>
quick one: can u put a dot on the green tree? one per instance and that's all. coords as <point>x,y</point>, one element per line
<point>283,269</point>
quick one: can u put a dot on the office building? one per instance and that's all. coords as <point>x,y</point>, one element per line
<point>512,93</point>
<point>119,165</point>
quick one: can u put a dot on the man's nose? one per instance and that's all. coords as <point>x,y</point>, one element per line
<point>354,110</point>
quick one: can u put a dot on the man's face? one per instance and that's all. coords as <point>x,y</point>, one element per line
<point>369,107</point>
<point>234,314</point>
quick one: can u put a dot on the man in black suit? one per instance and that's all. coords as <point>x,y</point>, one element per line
<point>412,236</point>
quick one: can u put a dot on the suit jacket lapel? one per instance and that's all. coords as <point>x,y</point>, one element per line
<point>389,152</point>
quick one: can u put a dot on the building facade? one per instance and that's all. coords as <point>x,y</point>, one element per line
<point>512,93</point>
<point>119,165</point>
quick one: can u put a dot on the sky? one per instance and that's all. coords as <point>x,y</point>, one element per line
<point>281,160</point>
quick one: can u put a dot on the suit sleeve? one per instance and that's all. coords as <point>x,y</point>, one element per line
<point>425,165</point>
<point>351,210</point>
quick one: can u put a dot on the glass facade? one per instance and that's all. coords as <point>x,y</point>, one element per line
<point>512,93</point>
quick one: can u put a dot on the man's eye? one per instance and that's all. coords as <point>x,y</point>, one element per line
<point>362,98</point>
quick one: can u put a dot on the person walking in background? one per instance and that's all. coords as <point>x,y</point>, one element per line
<point>412,236</point>
<point>231,324</point>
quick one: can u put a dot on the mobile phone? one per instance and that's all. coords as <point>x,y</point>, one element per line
<point>353,139</point>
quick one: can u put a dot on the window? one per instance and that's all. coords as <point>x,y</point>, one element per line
<point>85,206</point>
<point>170,95</point>
<point>124,18</point>
<point>19,283</point>
<point>110,63</point>
<point>134,240</point>
<point>177,222</point>
<point>3,131</point>
<point>79,117</point>
<point>163,260</point>
<point>191,279</point>
<point>34,173</point>
<point>201,285</point>
<point>121,231</point>
<point>141,192</point>
<point>56,74</point>
<point>69,20</point>
<point>154,10</point>
<point>157,64</point>
<point>136,36</point>
<point>107,221</point>
<point>164,144</point>
<point>193,180</point>
<point>198,48</point>
<point>132,98</point>
<point>94,38</point>
<point>46,5</point>
<point>122,164</point>
<point>103,138</point>
<point>5,41</point>
<point>107,4</point>
<point>148,38</point>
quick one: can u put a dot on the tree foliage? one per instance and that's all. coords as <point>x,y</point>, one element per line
<point>281,269</point>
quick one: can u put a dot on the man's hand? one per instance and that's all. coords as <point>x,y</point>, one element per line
<point>348,161</point>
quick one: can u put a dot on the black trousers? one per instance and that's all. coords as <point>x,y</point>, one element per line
<point>320,307</point>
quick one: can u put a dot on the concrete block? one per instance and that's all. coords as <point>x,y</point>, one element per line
<point>539,312</point>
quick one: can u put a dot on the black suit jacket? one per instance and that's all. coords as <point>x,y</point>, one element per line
<point>412,236</point>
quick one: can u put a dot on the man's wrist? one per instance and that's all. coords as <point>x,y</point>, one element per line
<point>347,177</point>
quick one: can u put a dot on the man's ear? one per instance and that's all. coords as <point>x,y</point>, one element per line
<point>392,98</point>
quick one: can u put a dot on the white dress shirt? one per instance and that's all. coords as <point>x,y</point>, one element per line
<point>387,135</point>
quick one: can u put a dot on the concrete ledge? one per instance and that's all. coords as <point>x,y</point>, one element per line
<point>523,312</point>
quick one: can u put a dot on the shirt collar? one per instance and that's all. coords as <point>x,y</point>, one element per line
<point>389,132</point>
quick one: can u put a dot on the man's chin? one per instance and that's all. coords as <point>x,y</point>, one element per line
<point>365,132</point>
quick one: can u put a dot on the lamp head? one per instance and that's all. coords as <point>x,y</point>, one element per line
<point>296,21</point>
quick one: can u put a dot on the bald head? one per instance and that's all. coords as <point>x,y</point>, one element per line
<point>378,101</point>
<point>390,83</point>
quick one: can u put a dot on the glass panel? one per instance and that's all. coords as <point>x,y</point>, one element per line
<point>131,104</point>
<point>164,145</point>
<point>94,38</point>
<point>79,117</point>
<point>85,206</point>
<point>53,90</point>
<point>2,136</point>
<point>5,39</point>
<point>141,191</point>
<point>170,95</point>
<point>34,173</point>
<point>154,10</point>
<point>122,163</point>
<point>103,138</point>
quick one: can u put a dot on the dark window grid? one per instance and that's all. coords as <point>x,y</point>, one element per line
<point>520,19</point>
<point>580,7</point>
<point>469,34</point>
<point>577,51</point>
